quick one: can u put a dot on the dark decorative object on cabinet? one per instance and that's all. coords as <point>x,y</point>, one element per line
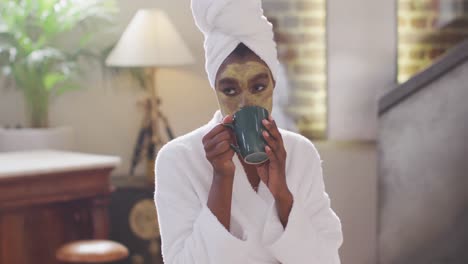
<point>134,220</point>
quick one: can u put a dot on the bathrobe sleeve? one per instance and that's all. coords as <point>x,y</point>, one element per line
<point>313,232</point>
<point>190,232</point>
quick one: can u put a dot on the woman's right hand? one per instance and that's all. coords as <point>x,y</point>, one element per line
<point>218,150</point>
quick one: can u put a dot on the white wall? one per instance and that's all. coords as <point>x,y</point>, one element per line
<point>361,68</point>
<point>350,175</point>
<point>361,64</point>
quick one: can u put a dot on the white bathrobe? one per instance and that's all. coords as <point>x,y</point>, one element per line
<point>191,233</point>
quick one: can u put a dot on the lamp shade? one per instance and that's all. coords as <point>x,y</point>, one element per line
<point>150,40</point>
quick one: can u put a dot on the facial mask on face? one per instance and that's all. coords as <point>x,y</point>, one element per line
<point>244,84</point>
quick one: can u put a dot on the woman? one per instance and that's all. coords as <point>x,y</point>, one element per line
<point>214,208</point>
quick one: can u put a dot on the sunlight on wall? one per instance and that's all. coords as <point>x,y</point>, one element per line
<point>426,29</point>
<point>300,34</point>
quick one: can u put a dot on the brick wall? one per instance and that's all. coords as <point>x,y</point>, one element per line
<point>426,29</point>
<point>300,33</point>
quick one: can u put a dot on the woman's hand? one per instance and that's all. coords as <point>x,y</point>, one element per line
<point>273,172</point>
<point>218,150</point>
<point>219,153</point>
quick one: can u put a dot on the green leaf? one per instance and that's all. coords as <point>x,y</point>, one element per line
<point>66,88</point>
<point>52,79</point>
<point>47,5</point>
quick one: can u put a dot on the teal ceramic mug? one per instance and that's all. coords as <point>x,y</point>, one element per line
<point>247,126</point>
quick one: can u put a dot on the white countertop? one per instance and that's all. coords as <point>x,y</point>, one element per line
<point>35,162</point>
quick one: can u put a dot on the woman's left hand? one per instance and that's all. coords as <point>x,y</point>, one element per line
<point>273,172</point>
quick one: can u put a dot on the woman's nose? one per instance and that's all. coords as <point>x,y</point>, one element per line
<point>246,101</point>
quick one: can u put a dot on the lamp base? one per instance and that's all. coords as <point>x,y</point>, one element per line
<point>150,175</point>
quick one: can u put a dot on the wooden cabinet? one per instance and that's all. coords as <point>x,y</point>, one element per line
<point>42,207</point>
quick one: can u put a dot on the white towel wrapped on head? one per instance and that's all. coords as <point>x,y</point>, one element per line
<point>226,24</point>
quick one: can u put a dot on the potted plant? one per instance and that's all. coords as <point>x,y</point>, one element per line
<point>42,43</point>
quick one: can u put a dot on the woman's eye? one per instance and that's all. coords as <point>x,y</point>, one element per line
<point>229,91</point>
<point>259,87</point>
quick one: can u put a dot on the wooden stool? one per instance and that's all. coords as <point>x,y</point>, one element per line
<point>91,251</point>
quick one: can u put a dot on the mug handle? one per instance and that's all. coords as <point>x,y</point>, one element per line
<point>235,148</point>
<point>229,125</point>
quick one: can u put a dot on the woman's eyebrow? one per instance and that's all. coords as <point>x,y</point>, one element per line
<point>228,80</point>
<point>262,75</point>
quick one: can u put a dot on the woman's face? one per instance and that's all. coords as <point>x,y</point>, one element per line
<point>244,81</point>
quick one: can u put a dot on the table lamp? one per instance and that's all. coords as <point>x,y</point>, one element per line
<point>150,41</point>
